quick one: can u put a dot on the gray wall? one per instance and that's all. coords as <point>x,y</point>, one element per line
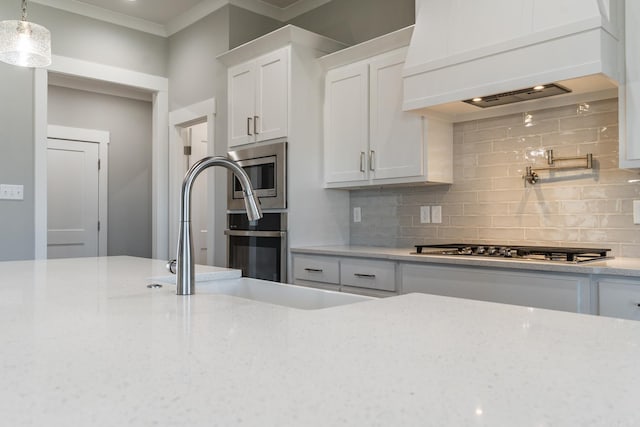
<point>129,124</point>
<point>245,26</point>
<point>16,161</point>
<point>355,21</point>
<point>196,75</point>
<point>73,36</point>
<point>79,37</point>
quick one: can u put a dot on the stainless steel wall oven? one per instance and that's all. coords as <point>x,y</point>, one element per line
<point>258,248</point>
<point>266,166</point>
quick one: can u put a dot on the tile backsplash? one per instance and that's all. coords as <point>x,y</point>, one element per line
<point>490,202</point>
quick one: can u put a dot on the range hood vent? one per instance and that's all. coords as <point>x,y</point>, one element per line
<point>522,44</point>
<point>511,97</point>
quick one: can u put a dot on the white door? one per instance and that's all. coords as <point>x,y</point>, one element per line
<point>199,195</point>
<point>72,199</point>
<point>396,136</point>
<point>347,123</point>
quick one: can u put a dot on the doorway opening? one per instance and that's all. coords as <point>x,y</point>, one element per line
<point>191,138</point>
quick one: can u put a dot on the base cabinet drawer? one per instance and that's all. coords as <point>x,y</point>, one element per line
<point>316,269</point>
<point>619,298</point>
<point>370,274</point>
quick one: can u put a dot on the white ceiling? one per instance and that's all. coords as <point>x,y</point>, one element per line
<point>165,17</point>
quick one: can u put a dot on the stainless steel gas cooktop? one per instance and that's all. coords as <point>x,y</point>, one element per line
<point>536,253</point>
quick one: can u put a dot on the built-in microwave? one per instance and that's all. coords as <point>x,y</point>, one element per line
<point>266,166</point>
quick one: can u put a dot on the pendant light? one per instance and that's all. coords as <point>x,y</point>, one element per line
<point>24,43</point>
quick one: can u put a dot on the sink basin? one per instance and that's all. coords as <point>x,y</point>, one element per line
<point>293,296</point>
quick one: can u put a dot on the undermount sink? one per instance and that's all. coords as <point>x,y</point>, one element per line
<point>280,294</point>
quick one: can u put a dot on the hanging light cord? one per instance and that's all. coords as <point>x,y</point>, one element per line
<point>24,10</point>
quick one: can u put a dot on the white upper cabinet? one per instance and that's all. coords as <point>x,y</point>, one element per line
<point>346,123</point>
<point>368,139</point>
<point>258,98</point>
<point>629,96</point>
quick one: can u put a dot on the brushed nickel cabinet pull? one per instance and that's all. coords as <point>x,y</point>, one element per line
<point>313,270</point>
<point>372,166</point>
<point>362,161</point>
<point>255,124</point>
<point>249,126</point>
<point>365,276</point>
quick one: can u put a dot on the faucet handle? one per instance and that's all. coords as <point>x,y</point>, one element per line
<point>171,266</point>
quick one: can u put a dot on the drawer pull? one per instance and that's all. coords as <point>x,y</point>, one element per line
<point>365,276</point>
<point>313,270</point>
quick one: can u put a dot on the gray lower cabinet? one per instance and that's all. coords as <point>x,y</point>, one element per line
<point>619,298</point>
<point>564,292</point>
<point>346,274</point>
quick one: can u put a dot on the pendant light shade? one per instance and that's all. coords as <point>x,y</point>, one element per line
<point>24,43</point>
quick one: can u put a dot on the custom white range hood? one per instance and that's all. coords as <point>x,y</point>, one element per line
<point>466,49</point>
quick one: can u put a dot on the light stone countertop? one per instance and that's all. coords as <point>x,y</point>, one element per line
<point>84,342</point>
<point>613,266</point>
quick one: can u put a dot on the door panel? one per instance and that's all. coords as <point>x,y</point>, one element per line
<point>272,95</point>
<point>241,104</point>
<point>72,199</point>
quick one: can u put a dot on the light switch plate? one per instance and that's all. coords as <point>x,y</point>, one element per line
<point>357,214</point>
<point>425,214</point>
<point>636,211</point>
<point>11,192</point>
<point>436,214</point>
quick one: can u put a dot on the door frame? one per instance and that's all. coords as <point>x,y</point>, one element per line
<point>180,119</point>
<point>159,88</point>
<point>102,138</point>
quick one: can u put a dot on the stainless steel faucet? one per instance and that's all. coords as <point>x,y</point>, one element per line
<point>185,263</point>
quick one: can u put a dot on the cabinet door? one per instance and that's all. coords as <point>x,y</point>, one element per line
<point>551,291</point>
<point>241,103</point>
<point>272,95</point>
<point>396,136</point>
<point>346,123</point>
<point>619,298</point>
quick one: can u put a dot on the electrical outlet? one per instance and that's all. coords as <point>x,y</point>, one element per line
<point>436,214</point>
<point>357,214</point>
<point>425,214</point>
<point>11,192</point>
<point>636,211</point>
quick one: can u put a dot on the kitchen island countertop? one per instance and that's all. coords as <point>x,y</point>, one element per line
<point>85,342</point>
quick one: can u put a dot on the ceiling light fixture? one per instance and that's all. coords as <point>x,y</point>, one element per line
<point>24,43</point>
<point>539,87</point>
<point>477,99</point>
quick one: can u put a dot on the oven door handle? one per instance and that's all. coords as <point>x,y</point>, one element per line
<point>249,233</point>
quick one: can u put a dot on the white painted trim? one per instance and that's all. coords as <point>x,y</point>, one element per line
<point>160,142</point>
<point>108,73</point>
<point>102,138</point>
<point>178,120</point>
<point>182,21</point>
<point>40,96</point>
<point>105,15</point>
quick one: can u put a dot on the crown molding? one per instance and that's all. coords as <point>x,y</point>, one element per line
<point>180,22</point>
<point>105,15</point>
